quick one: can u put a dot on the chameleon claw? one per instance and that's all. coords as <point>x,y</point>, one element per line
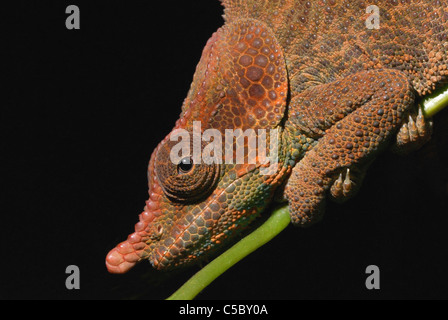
<point>424,126</point>
<point>337,188</point>
<point>420,120</point>
<point>347,185</point>
<point>403,135</point>
<point>412,128</point>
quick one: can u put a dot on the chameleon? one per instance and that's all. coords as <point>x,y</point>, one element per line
<point>334,82</point>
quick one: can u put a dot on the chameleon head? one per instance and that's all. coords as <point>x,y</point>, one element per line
<point>195,206</point>
<point>170,225</point>
<point>186,215</point>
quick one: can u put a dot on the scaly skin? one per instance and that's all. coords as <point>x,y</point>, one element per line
<point>338,93</point>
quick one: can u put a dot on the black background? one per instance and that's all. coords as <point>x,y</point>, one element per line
<point>81,113</point>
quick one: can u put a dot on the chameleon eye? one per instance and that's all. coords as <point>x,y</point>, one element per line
<point>185,165</point>
<point>184,181</point>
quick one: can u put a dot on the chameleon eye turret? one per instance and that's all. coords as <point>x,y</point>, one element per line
<point>186,181</point>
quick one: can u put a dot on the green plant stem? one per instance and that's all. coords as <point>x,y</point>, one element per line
<point>278,221</point>
<point>435,102</point>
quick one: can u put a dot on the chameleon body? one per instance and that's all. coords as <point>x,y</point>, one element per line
<point>337,91</point>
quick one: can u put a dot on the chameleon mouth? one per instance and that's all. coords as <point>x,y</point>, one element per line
<point>135,248</point>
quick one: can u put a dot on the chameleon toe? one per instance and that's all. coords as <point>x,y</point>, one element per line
<point>347,186</point>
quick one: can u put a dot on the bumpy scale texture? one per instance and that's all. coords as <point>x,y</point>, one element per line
<point>338,93</point>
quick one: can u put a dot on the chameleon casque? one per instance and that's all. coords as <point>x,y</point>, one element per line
<point>338,92</point>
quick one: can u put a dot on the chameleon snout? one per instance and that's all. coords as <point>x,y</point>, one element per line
<point>136,247</point>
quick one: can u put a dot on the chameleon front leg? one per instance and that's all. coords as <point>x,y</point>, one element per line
<point>352,119</point>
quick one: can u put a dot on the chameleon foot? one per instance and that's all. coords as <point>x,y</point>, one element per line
<point>413,134</point>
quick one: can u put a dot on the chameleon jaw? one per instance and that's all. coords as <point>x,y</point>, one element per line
<point>148,243</point>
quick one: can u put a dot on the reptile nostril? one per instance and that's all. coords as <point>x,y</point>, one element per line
<point>159,230</point>
<point>156,232</point>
